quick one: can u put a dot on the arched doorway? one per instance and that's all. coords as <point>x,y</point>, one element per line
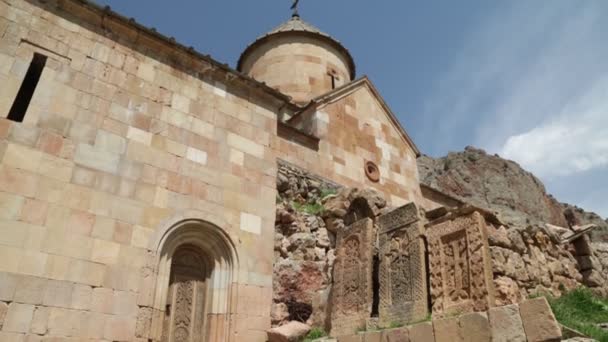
<point>186,309</point>
<point>197,271</point>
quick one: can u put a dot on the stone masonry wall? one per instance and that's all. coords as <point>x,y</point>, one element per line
<point>354,129</point>
<point>118,142</point>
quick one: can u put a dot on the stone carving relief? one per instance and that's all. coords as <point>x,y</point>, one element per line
<point>403,285</point>
<point>185,310</point>
<point>351,295</point>
<point>461,272</point>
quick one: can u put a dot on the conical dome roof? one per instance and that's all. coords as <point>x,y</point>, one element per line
<point>298,26</point>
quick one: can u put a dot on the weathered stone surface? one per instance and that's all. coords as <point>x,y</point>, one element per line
<point>422,332</point>
<point>538,321</point>
<point>448,330</point>
<point>18,318</point>
<point>373,336</point>
<point>351,338</point>
<point>403,288</point>
<point>396,335</point>
<point>506,324</point>
<point>352,288</point>
<point>460,265</point>
<point>476,327</point>
<point>290,332</point>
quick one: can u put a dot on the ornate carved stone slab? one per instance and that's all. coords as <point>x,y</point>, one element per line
<point>403,284</point>
<point>351,295</point>
<point>460,265</point>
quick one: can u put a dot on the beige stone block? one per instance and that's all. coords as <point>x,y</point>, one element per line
<point>180,103</point>
<point>80,222</point>
<point>448,330</point>
<point>63,322</point>
<point>18,318</point>
<point>237,157</point>
<point>146,71</point>
<point>86,272</point>
<point>34,211</point>
<point>538,321</point>
<point>251,223</point>
<point>154,216</point>
<point>93,158</point>
<point>93,325</point>
<point>476,327</point>
<point>17,181</point>
<point>50,190</point>
<point>10,206</point>
<point>125,303</point>
<point>57,267</point>
<point>110,142</point>
<point>55,168</point>
<point>102,300</point>
<point>82,297</point>
<point>141,236</point>
<point>12,337</point>
<point>21,157</point>
<point>119,328</point>
<point>8,285</point>
<point>105,252</point>
<point>13,233</point>
<point>203,128</point>
<point>58,293</point>
<point>196,155</point>
<point>422,332</point>
<point>396,335</point>
<point>10,257</point>
<point>33,263</point>
<point>121,278</point>
<point>103,228</point>
<point>78,247</point>
<point>126,210</point>
<point>139,135</point>
<point>506,324</point>
<point>40,320</point>
<point>245,145</point>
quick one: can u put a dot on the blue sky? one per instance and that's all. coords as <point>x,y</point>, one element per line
<point>525,79</point>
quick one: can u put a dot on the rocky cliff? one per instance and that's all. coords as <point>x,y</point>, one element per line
<point>502,186</point>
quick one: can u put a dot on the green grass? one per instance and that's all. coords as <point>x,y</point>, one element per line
<point>310,208</point>
<point>314,334</point>
<point>327,192</point>
<point>582,310</point>
<point>394,325</point>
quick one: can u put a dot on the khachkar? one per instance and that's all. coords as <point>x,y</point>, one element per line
<point>460,264</point>
<point>402,276</point>
<point>351,297</point>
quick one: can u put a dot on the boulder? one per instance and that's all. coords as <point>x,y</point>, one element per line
<point>291,332</point>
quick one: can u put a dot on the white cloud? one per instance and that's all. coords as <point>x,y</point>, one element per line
<point>575,141</point>
<point>530,82</point>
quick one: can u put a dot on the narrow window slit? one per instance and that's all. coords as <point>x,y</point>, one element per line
<point>26,91</point>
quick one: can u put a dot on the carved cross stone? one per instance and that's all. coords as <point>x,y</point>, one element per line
<point>460,265</point>
<point>402,276</point>
<point>351,294</point>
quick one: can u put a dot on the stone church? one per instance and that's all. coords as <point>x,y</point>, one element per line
<point>138,176</point>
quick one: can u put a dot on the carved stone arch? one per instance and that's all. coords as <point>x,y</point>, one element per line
<point>359,209</point>
<point>196,251</point>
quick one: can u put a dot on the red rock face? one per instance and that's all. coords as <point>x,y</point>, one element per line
<point>500,185</point>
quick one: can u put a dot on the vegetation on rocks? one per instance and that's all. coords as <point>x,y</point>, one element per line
<point>315,333</point>
<point>580,309</point>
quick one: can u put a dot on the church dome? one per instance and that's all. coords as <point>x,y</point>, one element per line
<point>299,60</point>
